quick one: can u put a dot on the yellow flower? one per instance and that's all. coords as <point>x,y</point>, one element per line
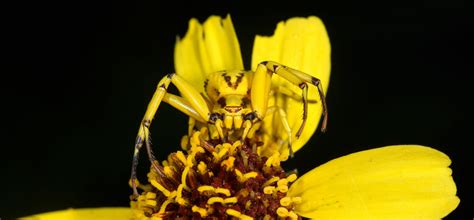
<point>245,180</point>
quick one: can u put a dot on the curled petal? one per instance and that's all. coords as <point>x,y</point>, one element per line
<point>395,182</point>
<point>207,48</point>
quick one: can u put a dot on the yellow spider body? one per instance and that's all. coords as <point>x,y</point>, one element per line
<point>274,99</point>
<point>229,92</point>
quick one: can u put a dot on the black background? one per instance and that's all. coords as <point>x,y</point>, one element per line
<point>83,74</point>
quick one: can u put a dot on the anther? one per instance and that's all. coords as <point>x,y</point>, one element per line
<point>285,201</point>
<point>223,191</point>
<point>292,215</point>
<point>229,163</point>
<point>202,212</point>
<point>282,212</point>
<point>151,202</point>
<point>250,175</point>
<point>181,157</point>
<point>205,188</point>
<point>233,212</point>
<point>202,167</point>
<point>182,201</point>
<point>282,182</point>
<point>292,177</point>
<point>269,190</point>
<point>271,180</point>
<point>230,200</point>
<point>150,195</point>
<point>213,200</point>
<point>283,188</point>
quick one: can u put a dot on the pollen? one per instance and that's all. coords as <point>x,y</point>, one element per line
<point>213,179</point>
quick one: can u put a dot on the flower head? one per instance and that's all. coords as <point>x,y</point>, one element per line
<point>214,179</point>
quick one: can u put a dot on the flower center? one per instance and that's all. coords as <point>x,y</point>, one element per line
<point>217,180</point>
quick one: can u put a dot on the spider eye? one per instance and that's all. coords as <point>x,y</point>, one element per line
<point>214,116</point>
<point>250,116</point>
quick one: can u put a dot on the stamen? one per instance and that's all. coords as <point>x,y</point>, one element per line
<point>184,142</point>
<point>202,212</point>
<point>234,146</point>
<point>160,187</point>
<point>245,217</point>
<point>184,175</point>
<point>269,190</point>
<point>231,180</point>
<point>282,188</point>
<point>219,155</point>
<point>182,201</point>
<point>179,191</point>
<point>244,177</point>
<point>235,213</point>
<point>292,215</point>
<point>205,188</point>
<point>168,171</point>
<point>271,180</point>
<point>250,175</point>
<point>150,195</point>
<point>213,200</point>
<point>292,177</point>
<point>202,167</point>
<point>224,191</point>
<point>151,202</point>
<point>181,157</point>
<point>273,160</point>
<point>229,163</point>
<point>285,201</point>
<point>226,146</point>
<point>163,206</point>
<point>195,139</point>
<point>230,200</point>
<point>282,182</point>
<point>282,212</point>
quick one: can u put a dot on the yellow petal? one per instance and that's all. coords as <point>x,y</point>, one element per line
<point>206,49</point>
<point>303,44</point>
<point>395,182</point>
<point>107,213</point>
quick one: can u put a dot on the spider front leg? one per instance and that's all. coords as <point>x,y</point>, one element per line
<point>192,104</point>
<point>261,85</point>
<point>301,80</point>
